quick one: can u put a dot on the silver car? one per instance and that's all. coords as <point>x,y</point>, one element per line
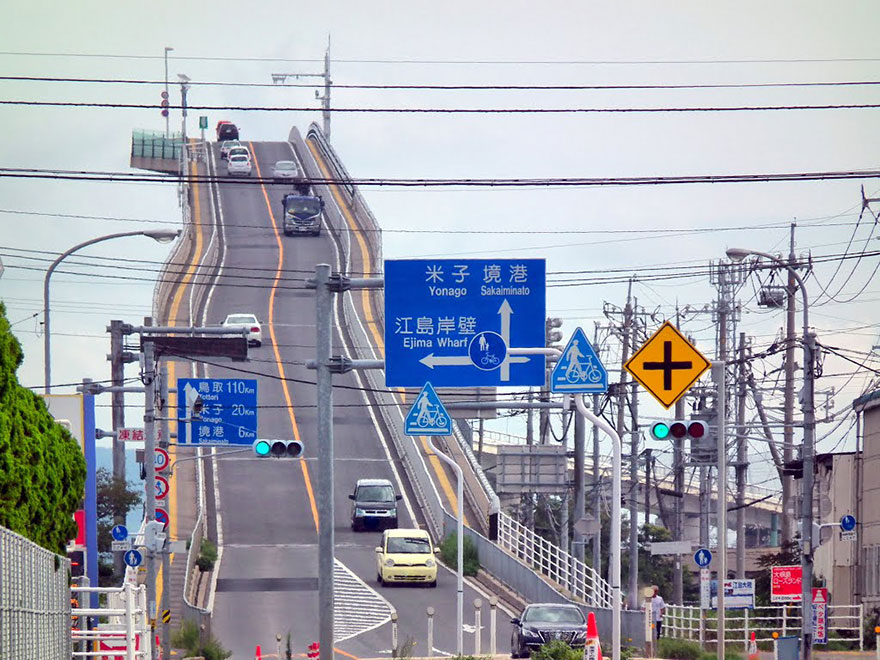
<point>238,165</point>
<point>286,170</point>
<point>226,145</point>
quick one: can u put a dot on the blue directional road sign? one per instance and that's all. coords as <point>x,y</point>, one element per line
<point>458,322</point>
<point>119,532</point>
<point>229,411</point>
<point>848,523</point>
<point>579,368</point>
<point>427,416</point>
<point>702,557</point>
<point>133,558</point>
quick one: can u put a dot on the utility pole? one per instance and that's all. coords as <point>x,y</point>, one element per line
<point>325,100</point>
<point>148,352</point>
<point>742,464</point>
<point>678,485</point>
<point>597,483</point>
<point>633,498</point>
<point>579,477</point>
<point>117,376</point>
<point>788,395</point>
<point>164,437</point>
<point>648,459</point>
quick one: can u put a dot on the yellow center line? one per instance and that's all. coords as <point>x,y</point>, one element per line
<point>366,304</point>
<point>284,386</point>
<point>172,366</point>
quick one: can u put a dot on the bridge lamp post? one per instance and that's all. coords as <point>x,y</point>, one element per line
<point>159,235</point>
<point>808,449</point>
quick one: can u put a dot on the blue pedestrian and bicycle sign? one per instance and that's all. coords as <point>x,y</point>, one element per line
<point>848,523</point>
<point>579,368</point>
<point>427,416</point>
<point>119,532</point>
<point>133,558</point>
<point>228,411</point>
<point>702,557</point>
<point>459,322</point>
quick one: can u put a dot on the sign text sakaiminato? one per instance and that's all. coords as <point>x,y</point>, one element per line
<point>459,322</point>
<point>785,584</point>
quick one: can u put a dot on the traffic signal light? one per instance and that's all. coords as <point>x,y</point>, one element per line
<point>278,448</point>
<point>551,334</point>
<point>164,104</point>
<point>686,428</point>
<point>77,563</point>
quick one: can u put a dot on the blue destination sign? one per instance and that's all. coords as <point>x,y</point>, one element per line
<point>228,415</point>
<point>460,322</point>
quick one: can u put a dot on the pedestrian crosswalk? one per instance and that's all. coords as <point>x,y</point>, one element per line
<point>357,607</point>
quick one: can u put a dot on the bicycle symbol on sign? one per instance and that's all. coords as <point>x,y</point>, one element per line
<point>429,415</point>
<point>581,373</point>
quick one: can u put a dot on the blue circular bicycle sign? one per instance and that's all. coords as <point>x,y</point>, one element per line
<point>848,523</point>
<point>487,350</point>
<point>119,532</point>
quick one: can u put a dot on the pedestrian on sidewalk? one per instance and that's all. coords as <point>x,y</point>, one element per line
<point>658,609</point>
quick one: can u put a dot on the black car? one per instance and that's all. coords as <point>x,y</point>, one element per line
<point>541,623</point>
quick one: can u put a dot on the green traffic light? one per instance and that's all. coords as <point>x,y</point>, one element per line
<point>660,430</point>
<point>262,448</point>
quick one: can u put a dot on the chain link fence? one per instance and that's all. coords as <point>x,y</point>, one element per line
<point>34,601</point>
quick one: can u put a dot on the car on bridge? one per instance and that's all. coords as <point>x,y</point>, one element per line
<point>541,623</point>
<point>406,555</point>
<point>374,504</point>
<point>249,321</point>
<point>239,165</point>
<point>226,145</point>
<point>287,171</point>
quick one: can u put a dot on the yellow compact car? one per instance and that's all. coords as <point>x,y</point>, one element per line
<point>406,555</point>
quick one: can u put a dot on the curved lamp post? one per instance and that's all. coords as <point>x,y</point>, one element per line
<point>808,452</point>
<point>160,235</point>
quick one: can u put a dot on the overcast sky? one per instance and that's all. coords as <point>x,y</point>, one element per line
<point>474,43</point>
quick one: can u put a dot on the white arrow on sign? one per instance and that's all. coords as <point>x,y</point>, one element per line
<point>505,311</point>
<point>431,360</point>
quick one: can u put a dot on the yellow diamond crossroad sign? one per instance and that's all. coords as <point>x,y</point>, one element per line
<point>667,365</point>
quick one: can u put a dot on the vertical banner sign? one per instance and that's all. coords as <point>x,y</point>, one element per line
<point>820,615</point>
<point>785,584</point>
<point>705,588</point>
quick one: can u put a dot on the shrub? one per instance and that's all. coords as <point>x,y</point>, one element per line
<point>449,554</point>
<point>187,637</point>
<point>207,556</point>
<point>557,650</point>
<point>678,649</point>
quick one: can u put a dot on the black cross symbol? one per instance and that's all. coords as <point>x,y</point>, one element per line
<point>667,366</point>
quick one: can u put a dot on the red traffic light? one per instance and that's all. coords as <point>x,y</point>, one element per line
<point>164,113</point>
<point>697,429</point>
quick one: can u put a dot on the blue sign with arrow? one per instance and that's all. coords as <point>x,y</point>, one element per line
<point>119,532</point>
<point>579,368</point>
<point>702,557</point>
<point>427,416</point>
<point>459,322</point>
<point>133,558</point>
<point>228,413</point>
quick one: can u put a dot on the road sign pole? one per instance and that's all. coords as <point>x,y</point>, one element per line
<point>615,519</point>
<point>166,557</point>
<point>459,493</point>
<point>326,550</point>
<point>719,372</point>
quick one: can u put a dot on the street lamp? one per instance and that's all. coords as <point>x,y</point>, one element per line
<point>168,114</point>
<point>738,254</point>
<point>159,235</point>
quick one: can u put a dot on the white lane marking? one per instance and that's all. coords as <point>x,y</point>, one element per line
<point>357,608</point>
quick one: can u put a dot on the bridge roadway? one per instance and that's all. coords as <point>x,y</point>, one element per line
<point>267,520</point>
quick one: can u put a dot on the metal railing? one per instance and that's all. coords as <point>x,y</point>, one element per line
<point>126,635</point>
<point>691,622</point>
<point>34,601</point>
<point>154,144</point>
<point>571,574</point>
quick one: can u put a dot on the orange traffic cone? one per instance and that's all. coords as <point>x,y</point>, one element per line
<point>592,647</point>
<point>314,650</point>
<point>258,653</point>
<point>753,648</point>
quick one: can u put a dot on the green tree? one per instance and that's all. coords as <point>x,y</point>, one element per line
<point>116,497</point>
<point>42,468</point>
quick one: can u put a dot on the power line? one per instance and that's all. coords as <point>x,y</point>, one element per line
<point>447,111</point>
<point>459,87</point>
<point>128,177</point>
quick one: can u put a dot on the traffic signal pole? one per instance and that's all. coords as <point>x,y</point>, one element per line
<point>149,469</point>
<point>719,369</point>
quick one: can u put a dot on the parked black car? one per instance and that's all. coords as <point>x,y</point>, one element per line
<point>541,623</point>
